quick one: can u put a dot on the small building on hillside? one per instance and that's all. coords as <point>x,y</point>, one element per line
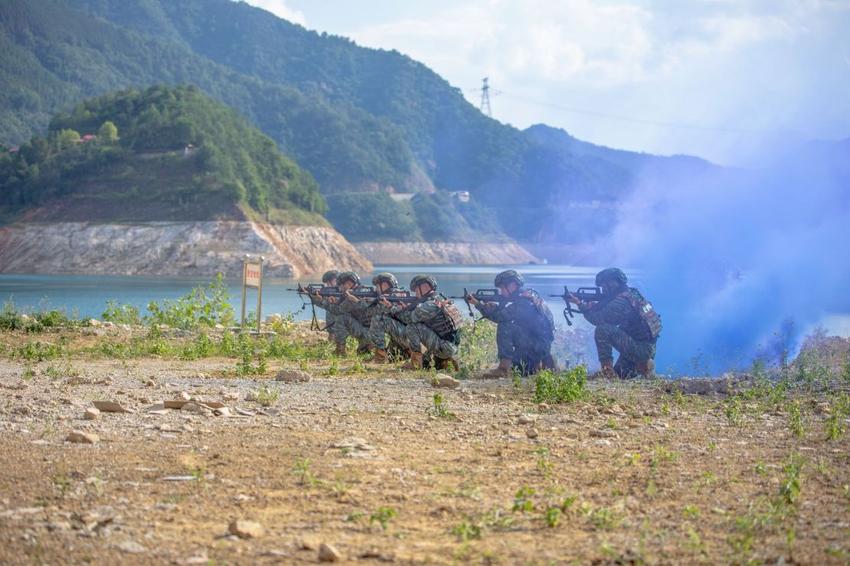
<point>461,196</point>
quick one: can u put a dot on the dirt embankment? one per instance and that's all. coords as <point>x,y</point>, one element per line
<point>464,253</point>
<point>201,248</point>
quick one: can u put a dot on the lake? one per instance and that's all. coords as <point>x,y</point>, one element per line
<point>86,296</point>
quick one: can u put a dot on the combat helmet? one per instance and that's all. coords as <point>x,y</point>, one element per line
<point>419,279</point>
<point>348,276</point>
<point>611,274</point>
<point>509,276</point>
<point>330,276</point>
<point>385,277</point>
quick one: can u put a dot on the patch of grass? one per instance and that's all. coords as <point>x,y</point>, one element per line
<point>562,387</point>
<point>467,530</point>
<point>267,395</point>
<point>37,351</point>
<point>795,420</point>
<point>440,408</point>
<point>383,516</point>
<point>523,501</point>
<point>304,473</point>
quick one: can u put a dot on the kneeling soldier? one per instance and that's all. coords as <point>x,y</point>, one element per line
<point>351,317</point>
<point>625,321</point>
<point>525,327</point>
<point>382,323</point>
<point>432,325</point>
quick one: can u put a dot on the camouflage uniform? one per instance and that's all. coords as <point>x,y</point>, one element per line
<point>352,319</point>
<point>620,327</point>
<point>382,324</point>
<point>419,323</point>
<point>525,331</point>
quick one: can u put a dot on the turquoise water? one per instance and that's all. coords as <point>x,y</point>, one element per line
<point>86,296</point>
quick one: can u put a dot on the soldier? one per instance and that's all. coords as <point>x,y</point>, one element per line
<point>525,327</point>
<point>432,325</point>
<point>328,280</point>
<point>382,323</point>
<point>625,321</point>
<point>349,313</point>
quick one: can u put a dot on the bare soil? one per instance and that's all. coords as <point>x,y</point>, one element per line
<point>364,462</point>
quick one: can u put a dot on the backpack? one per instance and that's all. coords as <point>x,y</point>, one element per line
<point>645,310</point>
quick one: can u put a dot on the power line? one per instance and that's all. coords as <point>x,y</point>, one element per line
<point>621,118</point>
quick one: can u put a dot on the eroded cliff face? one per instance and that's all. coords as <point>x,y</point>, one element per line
<point>461,253</point>
<point>173,248</point>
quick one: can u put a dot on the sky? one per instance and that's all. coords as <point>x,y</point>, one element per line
<point>722,79</point>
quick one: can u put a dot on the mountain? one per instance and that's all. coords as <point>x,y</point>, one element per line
<point>358,119</point>
<point>158,154</point>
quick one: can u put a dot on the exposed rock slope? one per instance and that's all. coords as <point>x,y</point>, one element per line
<point>173,248</point>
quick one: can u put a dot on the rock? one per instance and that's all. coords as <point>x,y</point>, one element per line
<point>246,529</point>
<point>184,395</point>
<point>192,407</point>
<point>131,547</point>
<point>604,433</point>
<point>80,437</point>
<point>293,376</point>
<point>174,403</point>
<point>110,407</point>
<point>94,323</point>
<point>527,419</point>
<point>222,412</point>
<point>91,413</point>
<point>444,381</point>
<point>327,553</point>
<point>532,433</point>
<point>308,543</point>
<point>603,442</point>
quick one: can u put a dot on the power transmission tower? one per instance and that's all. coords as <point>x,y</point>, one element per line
<point>485,98</point>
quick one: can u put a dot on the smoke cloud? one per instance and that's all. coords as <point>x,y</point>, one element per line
<point>730,257</point>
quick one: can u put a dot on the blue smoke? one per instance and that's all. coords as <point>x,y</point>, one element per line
<point>730,257</point>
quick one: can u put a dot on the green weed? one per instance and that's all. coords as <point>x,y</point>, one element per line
<point>564,387</point>
<point>383,516</point>
<point>440,408</point>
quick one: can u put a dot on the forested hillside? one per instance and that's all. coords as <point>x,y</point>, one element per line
<point>162,153</point>
<point>358,119</point>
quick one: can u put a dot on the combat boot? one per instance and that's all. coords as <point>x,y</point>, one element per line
<point>415,361</point>
<point>605,372</point>
<point>499,372</point>
<point>450,364</point>
<point>340,349</point>
<point>646,369</point>
<point>380,356</point>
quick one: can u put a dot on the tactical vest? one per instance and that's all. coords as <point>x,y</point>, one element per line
<point>648,315</point>
<point>448,321</point>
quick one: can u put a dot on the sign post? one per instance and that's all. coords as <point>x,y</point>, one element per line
<point>252,276</point>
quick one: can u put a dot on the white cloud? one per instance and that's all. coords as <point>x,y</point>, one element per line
<point>280,9</point>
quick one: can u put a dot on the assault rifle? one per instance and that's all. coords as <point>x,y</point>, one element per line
<point>484,296</point>
<point>583,294</point>
<point>363,292</point>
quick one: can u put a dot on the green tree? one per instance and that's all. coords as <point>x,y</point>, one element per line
<point>108,132</point>
<point>67,138</point>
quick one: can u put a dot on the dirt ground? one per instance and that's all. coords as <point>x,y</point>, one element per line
<point>365,462</point>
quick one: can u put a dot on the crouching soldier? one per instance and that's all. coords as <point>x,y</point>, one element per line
<point>328,280</point>
<point>525,327</point>
<point>382,323</point>
<point>625,321</point>
<point>350,314</point>
<point>431,325</point>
